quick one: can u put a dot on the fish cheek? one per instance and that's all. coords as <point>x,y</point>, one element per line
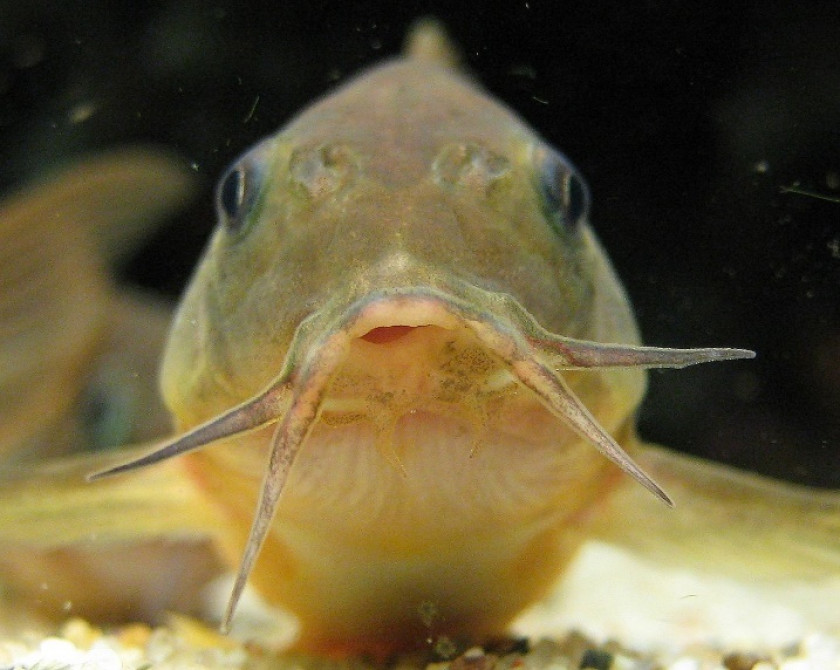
<point>219,350</point>
<point>234,323</point>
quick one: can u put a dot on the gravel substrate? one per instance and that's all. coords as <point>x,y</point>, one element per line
<point>187,644</point>
<point>660,619</point>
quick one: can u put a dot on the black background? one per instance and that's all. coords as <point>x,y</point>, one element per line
<point>688,120</point>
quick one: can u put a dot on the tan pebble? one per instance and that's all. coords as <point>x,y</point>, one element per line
<point>685,663</point>
<point>741,661</point>
<point>547,654</point>
<point>625,662</point>
<point>134,635</point>
<point>10,650</point>
<point>80,633</point>
<point>198,634</point>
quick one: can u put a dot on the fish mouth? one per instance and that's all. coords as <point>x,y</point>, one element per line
<point>388,334</point>
<point>332,352</point>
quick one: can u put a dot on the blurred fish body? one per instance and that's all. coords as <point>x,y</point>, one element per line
<point>64,327</point>
<point>79,358</point>
<point>405,348</point>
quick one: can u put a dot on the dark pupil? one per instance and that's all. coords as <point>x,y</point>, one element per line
<point>575,193</point>
<point>233,193</point>
<point>565,196</point>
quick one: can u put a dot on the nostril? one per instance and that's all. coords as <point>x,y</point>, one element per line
<point>385,334</point>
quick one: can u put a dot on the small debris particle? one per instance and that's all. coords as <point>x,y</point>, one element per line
<point>250,114</point>
<point>81,112</point>
<point>474,659</point>
<point>445,647</point>
<point>428,612</point>
<point>596,659</point>
<point>741,661</point>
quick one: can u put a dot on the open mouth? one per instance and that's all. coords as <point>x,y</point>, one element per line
<point>387,334</point>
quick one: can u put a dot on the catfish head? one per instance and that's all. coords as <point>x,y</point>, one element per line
<point>413,354</point>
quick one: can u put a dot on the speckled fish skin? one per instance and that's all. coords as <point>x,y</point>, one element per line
<point>408,180</point>
<point>401,266</point>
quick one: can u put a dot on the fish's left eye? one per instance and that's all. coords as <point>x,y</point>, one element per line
<point>564,194</point>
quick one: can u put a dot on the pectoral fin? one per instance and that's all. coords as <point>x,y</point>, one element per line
<point>52,505</point>
<point>726,522</point>
<point>124,549</point>
<point>740,560</point>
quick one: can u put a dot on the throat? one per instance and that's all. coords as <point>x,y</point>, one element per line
<point>423,483</point>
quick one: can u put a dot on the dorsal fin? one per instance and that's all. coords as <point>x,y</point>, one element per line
<point>428,42</point>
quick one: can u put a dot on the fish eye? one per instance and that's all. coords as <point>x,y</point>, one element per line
<point>239,189</point>
<point>234,196</point>
<point>564,194</point>
<point>232,192</point>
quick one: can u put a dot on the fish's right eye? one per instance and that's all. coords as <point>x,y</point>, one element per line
<point>232,192</point>
<point>239,189</point>
<point>235,196</point>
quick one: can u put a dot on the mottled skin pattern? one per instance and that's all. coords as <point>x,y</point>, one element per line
<point>405,348</point>
<point>402,224</point>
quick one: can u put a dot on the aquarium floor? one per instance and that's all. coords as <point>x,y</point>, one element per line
<point>649,619</point>
<point>183,644</point>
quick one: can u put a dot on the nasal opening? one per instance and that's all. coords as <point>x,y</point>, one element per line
<point>386,334</point>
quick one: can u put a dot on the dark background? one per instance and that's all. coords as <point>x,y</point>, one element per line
<point>688,120</point>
